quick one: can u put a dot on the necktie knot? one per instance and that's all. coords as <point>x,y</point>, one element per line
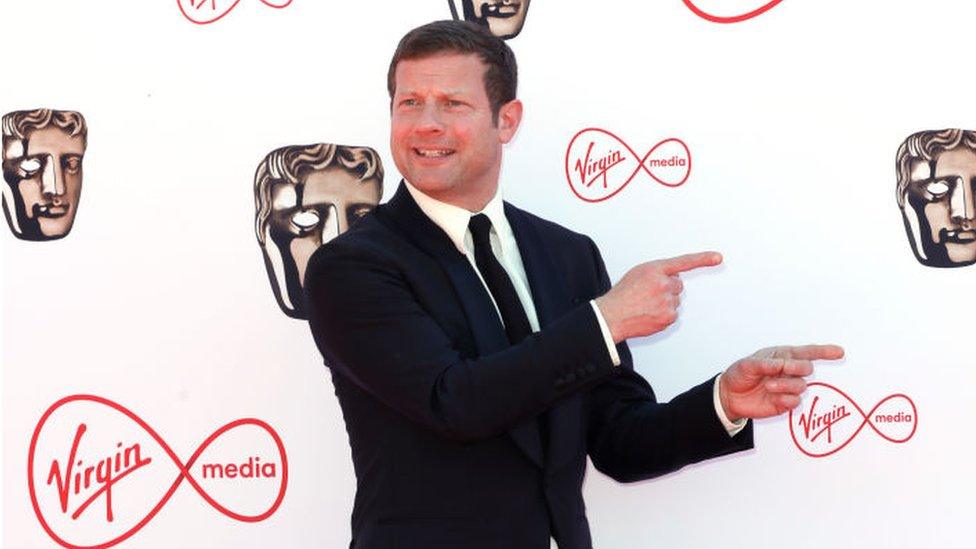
<point>480,226</point>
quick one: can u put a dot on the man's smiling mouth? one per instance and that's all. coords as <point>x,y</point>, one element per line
<point>433,153</point>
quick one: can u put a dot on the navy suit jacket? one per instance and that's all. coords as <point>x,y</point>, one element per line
<point>443,414</point>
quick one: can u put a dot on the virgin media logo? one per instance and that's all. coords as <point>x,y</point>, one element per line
<point>829,420</point>
<point>599,164</point>
<point>97,473</point>
<point>693,5</point>
<point>204,12</point>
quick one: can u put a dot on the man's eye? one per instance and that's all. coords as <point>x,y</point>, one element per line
<point>409,103</point>
<point>938,188</point>
<point>360,211</point>
<point>30,166</point>
<point>454,103</point>
<point>305,221</point>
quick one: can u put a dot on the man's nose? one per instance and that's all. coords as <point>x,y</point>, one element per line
<point>429,120</point>
<point>961,205</point>
<point>52,178</point>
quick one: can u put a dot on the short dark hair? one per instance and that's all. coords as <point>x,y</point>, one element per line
<point>501,76</point>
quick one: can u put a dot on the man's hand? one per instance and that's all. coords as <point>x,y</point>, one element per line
<point>646,299</point>
<point>770,382</point>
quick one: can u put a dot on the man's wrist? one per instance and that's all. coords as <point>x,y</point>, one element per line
<point>724,401</point>
<point>605,331</point>
<point>732,427</point>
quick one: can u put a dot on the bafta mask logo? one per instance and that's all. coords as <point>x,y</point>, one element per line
<point>936,182</point>
<point>306,195</point>
<point>42,154</point>
<point>504,18</point>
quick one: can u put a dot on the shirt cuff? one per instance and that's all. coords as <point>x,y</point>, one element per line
<point>730,427</point>
<point>607,338</point>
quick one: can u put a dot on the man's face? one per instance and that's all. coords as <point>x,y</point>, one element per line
<point>43,183</point>
<point>306,215</point>
<point>943,212</point>
<point>442,135</point>
<point>503,17</point>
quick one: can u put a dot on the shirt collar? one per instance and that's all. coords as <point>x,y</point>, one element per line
<point>453,220</point>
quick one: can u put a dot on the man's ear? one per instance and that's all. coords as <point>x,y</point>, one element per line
<point>509,118</point>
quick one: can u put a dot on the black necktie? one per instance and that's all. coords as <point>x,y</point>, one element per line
<point>499,284</point>
<point>517,325</point>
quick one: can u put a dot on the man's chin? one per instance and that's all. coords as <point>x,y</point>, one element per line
<point>429,184</point>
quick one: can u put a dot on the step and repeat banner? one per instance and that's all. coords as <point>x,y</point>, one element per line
<point>169,167</point>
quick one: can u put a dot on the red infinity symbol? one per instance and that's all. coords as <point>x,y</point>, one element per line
<point>184,471</point>
<point>814,432</point>
<point>196,12</point>
<point>731,18</point>
<point>588,170</point>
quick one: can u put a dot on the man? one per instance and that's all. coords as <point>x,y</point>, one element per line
<point>42,154</point>
<point>474,367</point>
<point>306,195</point>
<point>936,186</point>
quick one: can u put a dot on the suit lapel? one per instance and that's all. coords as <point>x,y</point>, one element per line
<point>489,334</point>
<point>552,300</point>
<point>545,283</point>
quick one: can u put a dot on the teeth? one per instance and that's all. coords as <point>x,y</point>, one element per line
<point>433,153</point>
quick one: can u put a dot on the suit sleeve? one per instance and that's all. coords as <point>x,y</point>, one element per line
<point>632,437</point>
<point>370,327</point>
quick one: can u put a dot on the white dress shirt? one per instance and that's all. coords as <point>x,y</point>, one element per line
<point>454,220</point>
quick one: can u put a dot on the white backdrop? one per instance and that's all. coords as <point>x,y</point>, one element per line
<point>159,301</point>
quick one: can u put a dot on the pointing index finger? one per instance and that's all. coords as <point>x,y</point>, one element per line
<point>817,352</point>
<point>687,262</point>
